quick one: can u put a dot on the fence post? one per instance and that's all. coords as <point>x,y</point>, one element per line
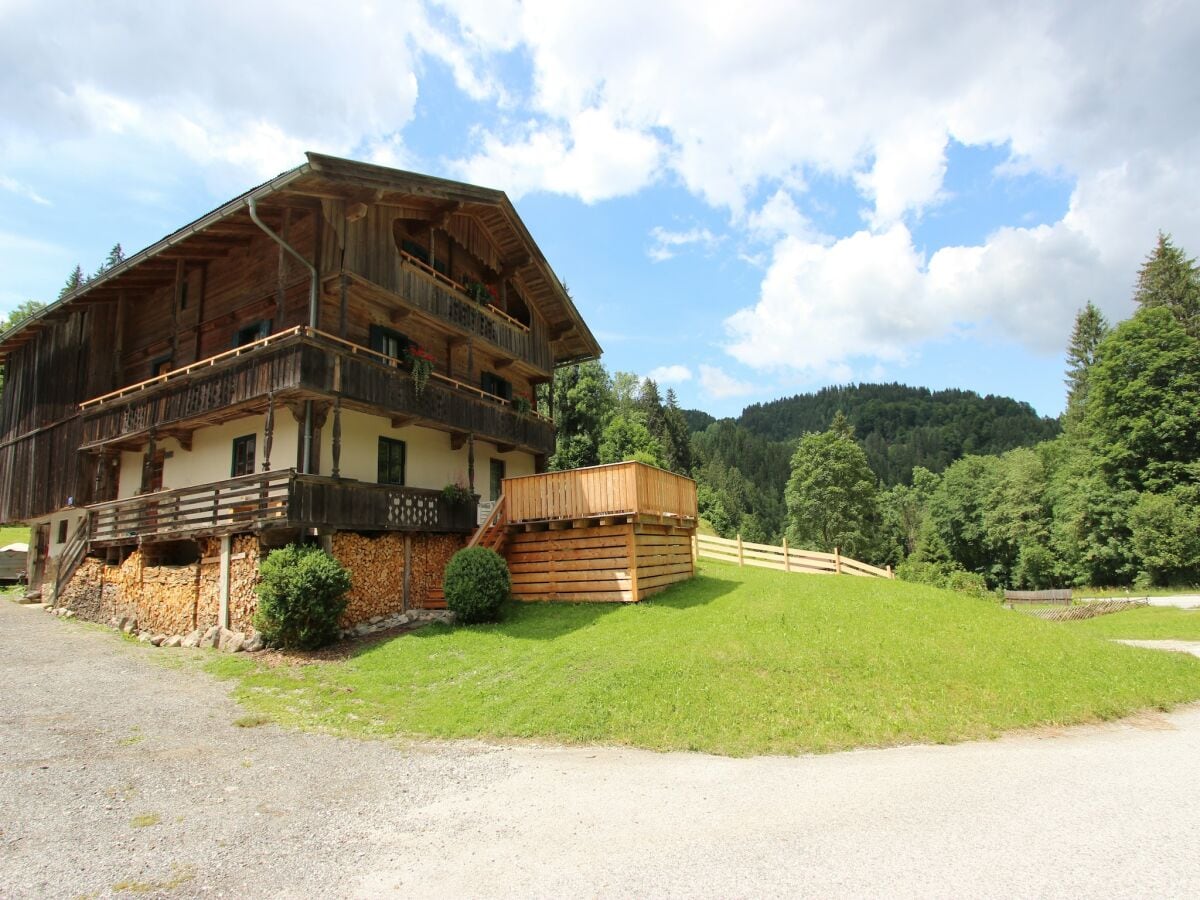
<point>889,571</point>
<point>837,561</point>
<point>695,547</point>
<point>741,559</point>
<point>787,562</point>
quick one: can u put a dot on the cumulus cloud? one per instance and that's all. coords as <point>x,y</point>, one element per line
<point>673,374</point>
<point>667,243</point>
<point>719,384</point>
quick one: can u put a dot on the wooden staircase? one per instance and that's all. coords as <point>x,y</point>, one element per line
<point>493,534</point>
<point>73,553</point>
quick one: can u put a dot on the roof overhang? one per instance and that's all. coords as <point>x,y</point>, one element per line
<point>321,177</point>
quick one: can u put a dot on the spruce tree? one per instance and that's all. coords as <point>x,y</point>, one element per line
<point>74,282</point>
<point>1090,329</point>
<point>1168,278</point>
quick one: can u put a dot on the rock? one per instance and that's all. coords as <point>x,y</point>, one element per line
<point>193,639</point>
<point>254,644</point>
<point>129,626</point>
<point>144,637</point>
<point>234,643</point>
<point>375,620</point>
<point>210,636</point>
<point>173,641</point>
<point>68,614</point>
<point>157,639</point>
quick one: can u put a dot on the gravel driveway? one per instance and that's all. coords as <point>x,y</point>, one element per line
<point>120,775</point>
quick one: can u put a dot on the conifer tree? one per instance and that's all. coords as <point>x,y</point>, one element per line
<point>74,281</point>
<point>1090,329</point>
<point>1168,278</point>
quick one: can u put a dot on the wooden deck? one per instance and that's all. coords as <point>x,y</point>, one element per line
<point>280,499</point>
<point>615,533</point>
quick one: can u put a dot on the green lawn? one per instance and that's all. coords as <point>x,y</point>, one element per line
<point>735,662</point>
<point>10,534</point>
<point>1146,623</point>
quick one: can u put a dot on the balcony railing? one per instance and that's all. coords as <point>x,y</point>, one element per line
<point>628,488</point>
<point>307,363</point>
<point>280,499</point>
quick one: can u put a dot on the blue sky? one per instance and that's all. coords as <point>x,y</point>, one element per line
<point>745,202</point>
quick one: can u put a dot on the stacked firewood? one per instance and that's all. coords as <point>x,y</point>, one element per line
<point>376,566</point>
<point>430,554</point>
<point>243,580</point>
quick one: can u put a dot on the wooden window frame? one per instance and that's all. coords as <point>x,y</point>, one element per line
<point>262,329</point>
<point>157,362</point>
<point>379,334</point>
<point>494,384</point>
<point>245,440</point>
<point>382,468</point>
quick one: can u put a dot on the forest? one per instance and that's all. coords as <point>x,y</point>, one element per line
<point>952,488</point>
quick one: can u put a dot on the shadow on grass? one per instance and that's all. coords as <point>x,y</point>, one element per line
<point>547,621</point>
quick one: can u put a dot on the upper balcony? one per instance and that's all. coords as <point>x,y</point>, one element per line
<point>416,287</point>
<point>297,365</point>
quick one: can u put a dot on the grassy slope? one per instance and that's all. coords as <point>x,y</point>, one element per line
<point>1146,623</point>
<point>734,662</point>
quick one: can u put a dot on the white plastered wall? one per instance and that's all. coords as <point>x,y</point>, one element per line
<point>211,456</point>
<point>429,461</point>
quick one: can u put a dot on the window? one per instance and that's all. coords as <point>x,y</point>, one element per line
<point>253,332</point>
<point>62,531</point>
<point>388,342</point>
<point>494,384</point>
<point>497,472</point>
<point>243,455</point>
<point>391,461</point>
<point>160,366</point>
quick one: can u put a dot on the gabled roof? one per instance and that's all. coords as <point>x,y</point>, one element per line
<point>332,177</point>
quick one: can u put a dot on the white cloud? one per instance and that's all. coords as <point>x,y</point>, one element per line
<point>673,374</point>
<point>591,157</point>
<point>720,384</point>
<point>22,190</point>
<point>667,243</point>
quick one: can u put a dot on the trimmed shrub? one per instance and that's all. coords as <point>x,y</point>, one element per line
<point>301,597</point>
<point>476,584</point>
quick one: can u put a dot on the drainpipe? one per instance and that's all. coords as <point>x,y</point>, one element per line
<point>313,298</point>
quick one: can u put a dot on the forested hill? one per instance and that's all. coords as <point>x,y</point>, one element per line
<point>901,426</point>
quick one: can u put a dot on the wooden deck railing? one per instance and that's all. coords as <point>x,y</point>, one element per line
<point>277,499</point>
<point>629,488</point>
<point>307,361</point>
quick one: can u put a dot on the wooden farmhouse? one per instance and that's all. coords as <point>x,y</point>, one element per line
<point>320,359</point>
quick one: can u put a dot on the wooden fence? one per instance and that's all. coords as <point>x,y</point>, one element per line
<point>783,558</point>
<point>627,488</point>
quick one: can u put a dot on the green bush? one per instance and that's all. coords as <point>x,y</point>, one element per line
<point>476,584</point>
<point>942,576</point>
<point>301,597</point>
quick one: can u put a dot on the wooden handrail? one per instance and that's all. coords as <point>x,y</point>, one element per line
<point>627,488</point>
<point>425,269</point>
<point>193,367</point>
<point>302,331</point>
<point>488,523</point>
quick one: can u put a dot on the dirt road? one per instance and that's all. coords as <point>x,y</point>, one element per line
<point>119,775</point>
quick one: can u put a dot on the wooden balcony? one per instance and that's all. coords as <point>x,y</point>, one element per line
<point>280,499</point>
<point>628,489</point>
<point>412,283</point>
<point>305,364</point>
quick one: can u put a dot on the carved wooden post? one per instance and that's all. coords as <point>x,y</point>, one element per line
<point>148,462</point>
<point>471,461</point>
<point>787,560</point>
<point>337,437</point>
<point>269,431</point>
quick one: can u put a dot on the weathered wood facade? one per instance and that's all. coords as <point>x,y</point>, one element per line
<point>290,330</point>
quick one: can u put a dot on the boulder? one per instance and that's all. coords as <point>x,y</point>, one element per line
<point>145,637</point>
<point>157,639</point>
<point>193,639</point>
<point>254,643</point>
<point>129,626</point>
<point>173,641</point>
<point>210,636</point>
